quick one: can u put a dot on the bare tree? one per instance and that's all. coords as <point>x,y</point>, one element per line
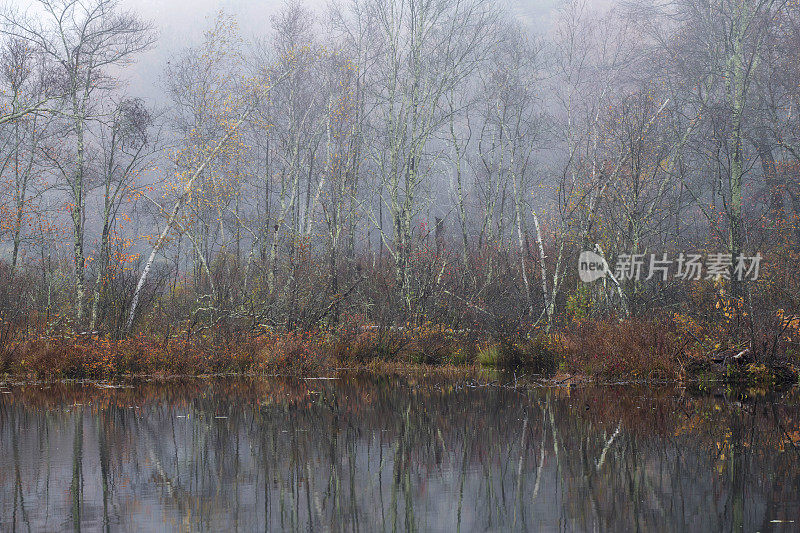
<point>425,49</point>
<point>25,83</point>
<point>127,148</point>
<point>85,39</point>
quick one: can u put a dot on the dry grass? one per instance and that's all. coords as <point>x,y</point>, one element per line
<point>616,349</point>
<point>631,349</point>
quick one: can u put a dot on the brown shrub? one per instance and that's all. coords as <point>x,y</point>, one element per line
<point>623,349</point>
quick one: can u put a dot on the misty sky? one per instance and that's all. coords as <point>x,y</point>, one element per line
<point>181,23</point>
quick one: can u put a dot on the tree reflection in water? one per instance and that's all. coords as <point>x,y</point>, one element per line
<point>396,453</point>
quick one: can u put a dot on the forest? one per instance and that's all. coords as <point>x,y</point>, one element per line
<point>404,182</point>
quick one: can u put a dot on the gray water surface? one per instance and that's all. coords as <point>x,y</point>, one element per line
<point>399,453</point>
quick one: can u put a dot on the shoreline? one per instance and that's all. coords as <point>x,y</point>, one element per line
<point>632,351</point>
<point>502,377</point>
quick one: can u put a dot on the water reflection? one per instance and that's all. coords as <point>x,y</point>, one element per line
<point>394,454</point>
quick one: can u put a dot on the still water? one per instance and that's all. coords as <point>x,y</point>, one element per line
<point>408,453</point>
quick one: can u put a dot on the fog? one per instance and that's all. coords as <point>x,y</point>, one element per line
<point>285,165</point>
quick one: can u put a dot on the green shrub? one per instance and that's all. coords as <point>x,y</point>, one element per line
<point>489,355</point>
<point>536,355</point>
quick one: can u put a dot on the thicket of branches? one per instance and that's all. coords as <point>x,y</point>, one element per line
<point>392,162</point>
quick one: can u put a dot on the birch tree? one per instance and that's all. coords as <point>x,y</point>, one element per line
<point>127,148</point>
<point>25,83</point>
<point>86,40</point>
<point>509,135</point>
<point>426,49</point>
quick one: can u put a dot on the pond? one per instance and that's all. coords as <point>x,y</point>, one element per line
<point>395,453</point>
